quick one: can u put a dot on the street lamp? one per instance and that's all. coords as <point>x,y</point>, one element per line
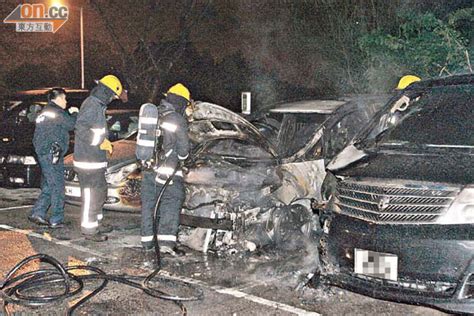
<point>82,51</point>
<point>56,3</point>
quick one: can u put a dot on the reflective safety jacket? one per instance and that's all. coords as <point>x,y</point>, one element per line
<point>175,141</point>
<point>53,125</point>
<point>91,130</point>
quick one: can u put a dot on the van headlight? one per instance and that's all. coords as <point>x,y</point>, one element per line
<point>23,160</point>
<point>461,210</point>
<point>118,176</point>
<point>14,159</point>
<point>29,160</point>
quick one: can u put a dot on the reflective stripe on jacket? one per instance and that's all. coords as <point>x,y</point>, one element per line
<point>175,145</point>
<point>53,125</point>
<point>91,129</point>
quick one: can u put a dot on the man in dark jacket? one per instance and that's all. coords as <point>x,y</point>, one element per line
<point>173,150</point>
<point>51,142</point>
<point>90,160</point>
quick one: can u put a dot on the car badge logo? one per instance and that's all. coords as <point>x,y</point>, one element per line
<point>383,203</point>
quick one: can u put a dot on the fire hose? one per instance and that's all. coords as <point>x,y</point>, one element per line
<point>14,288</point>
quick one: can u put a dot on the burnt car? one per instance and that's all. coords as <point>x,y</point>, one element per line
<point>18,163</point>
<point>400,221</point>
<point>242,173</point>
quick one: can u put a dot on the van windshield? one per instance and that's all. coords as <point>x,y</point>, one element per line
<point>440,117</point>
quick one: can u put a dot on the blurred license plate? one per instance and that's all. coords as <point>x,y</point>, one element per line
<point>376,264</point>
<point>73,191</point>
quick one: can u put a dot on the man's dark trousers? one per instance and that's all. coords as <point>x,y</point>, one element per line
<point>170,208</point>
<point>52,189</point>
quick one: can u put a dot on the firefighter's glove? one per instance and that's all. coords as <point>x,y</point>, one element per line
<point>73,110</point>
<point>107,145</point>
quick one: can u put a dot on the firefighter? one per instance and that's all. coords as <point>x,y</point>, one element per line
<point>51,142</point>
<point>90,159</point>
<point>171,152</point>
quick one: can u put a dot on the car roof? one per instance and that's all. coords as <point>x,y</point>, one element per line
<point>309,106</point>
<point>40,94</point>
<point>42,91</point>
<point>465,79</point>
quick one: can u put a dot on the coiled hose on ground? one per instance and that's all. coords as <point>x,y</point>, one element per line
<point>14,289</point>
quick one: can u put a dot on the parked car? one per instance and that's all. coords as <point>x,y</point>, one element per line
<point>18,163</point>
<point>400,221</point>
<point>240,171</point>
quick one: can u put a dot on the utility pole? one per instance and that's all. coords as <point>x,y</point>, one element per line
<point>82,52</point>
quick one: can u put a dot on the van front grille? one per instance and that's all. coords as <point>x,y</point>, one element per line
<point>393,203</point>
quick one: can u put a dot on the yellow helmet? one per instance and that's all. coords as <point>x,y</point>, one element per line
<point>113,83</point>
<point>407,80</point>
<point>181,90</point>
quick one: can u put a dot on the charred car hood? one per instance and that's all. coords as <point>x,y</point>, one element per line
<point>447,168</point>
<point>224,174</point>
<point>211,121</point>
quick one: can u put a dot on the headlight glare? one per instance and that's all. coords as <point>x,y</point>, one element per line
<point>23,160</point>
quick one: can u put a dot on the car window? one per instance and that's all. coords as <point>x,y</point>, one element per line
<point>121,125</point>
<point>26,112</point>
<point>442,116</point>
<point>269,128</point>
<point>296,130</point>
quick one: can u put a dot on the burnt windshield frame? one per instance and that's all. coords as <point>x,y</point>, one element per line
<point>294,125</point>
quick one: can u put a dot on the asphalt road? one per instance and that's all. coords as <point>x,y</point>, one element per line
<point>241,284</point>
